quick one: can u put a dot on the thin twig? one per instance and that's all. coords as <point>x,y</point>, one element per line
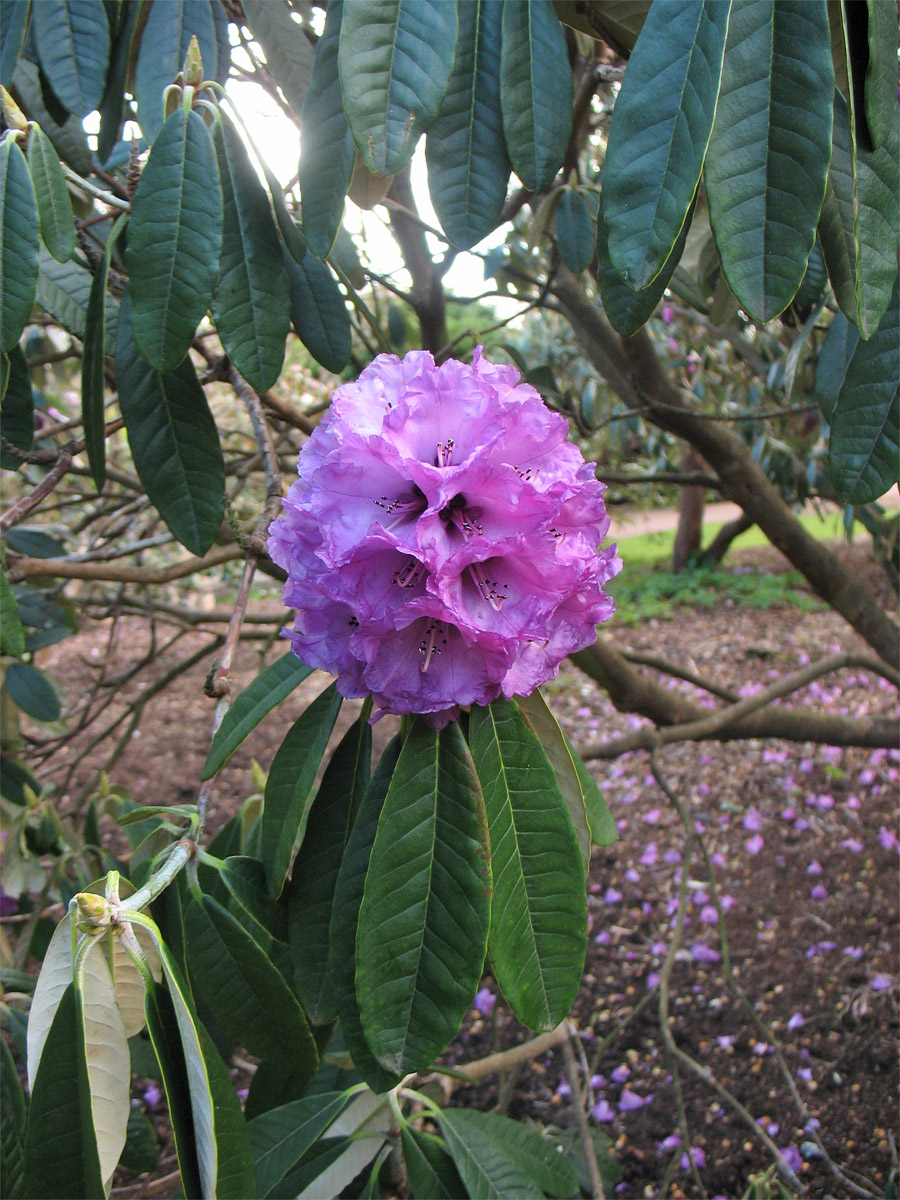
<point>577,1095</point>
<point>51,480</point>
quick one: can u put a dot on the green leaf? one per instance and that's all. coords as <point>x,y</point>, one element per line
<point>394,59</point>
<point>289,54</point>
<point>93,372</point>
<point>14,778</point>
<point>348,894</point>
<point>831,366</point>
<point>245,881</point>
<point>876,228</point>
<point>425,911</point>
<point>326,150</point>
<point>12,38</point>
<point>60,1113</point>
<point>256,701</point>
<point>12,635</point>
<point>538,933</point>
<point>881,72</point>
<point>290,783</point>
<point>250,304</point>
<point>601,821</point>
<point>63,291</point>
<point>32,691</point>
<point>468,166</point>
<point>72,38</point>
<point>767,163</point>
<point>174,240</point>
<point>535,91</point>
<point>353,1140</point>
<point>293,240</point>
<point>487,1170</point>
<point>12,1128</point>
<point>141,1151</point>
<point>243,988</point>
<point>112,103</point>
<point>318,312</point>
<point>864,452</point>
<point>106,1054</point>
<point>165,43</point>
<point>660,129</point>
<point>69,138</point>
<point>54,206</point>
<point>16,408</point>
<point>18,242</point>
<point>314,875</point>
<point>536,1157</point>
<point>173,440</point>
<point>234,1166</point>
<point>55,977</point>
<point>432,1175</point>
<point>280,1137</point>
<point>574,231</point>
<point>836,220</point>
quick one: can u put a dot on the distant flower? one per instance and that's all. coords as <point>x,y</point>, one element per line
<point>693,1155</point>
<point>441,543</point>
<point>792,1157</point>
<point>881,983</point>
<point>887,839</point>
<point>752,821</point>
<point>484,1001</point>
<point>152,1095</point>
<point>611,896</point>
<point>754,844</point>
<point>620,1074</point>
<point>708,915</point>
<point>672,1142</point>
<point>668,314</point>
<point>702,953</point>
<point>814,868</point>
<point>629,1101</point>
<point>796,1021</point>
<point>603,1111</point>
<point>854,845</point>
<point>819,892</point>
<point>650,855</point>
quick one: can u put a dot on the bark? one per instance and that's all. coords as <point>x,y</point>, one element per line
<point>718,547</point>
<point>427,296</point>
<point>631,368</point>
<point>689,535</point>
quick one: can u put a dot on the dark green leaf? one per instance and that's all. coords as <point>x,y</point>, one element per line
<point>348,894</point>
<point>876,227</point>
<point>163,1027</point>
<point>36,544</point>
<point>395,59</point>
<point>12,1128</point>
<point>141,1151</point>
<point>536,1156</point>
<point>535,91</point>
<point>112,103</point>
<point>32,691</point>
<point>12,635</point>
<point>234,1160</point>
<point>836,220</point>
<point>16,409</point>
<point>538,933</point>
<point>468,167</point>
<point>574,231</point>
<point>832,363</point>
<point>273,1085</point>
<point>881,72</point>
<point>290,783</point>
<point>165,43</point>
<point>426,906</point>
<point>768,156</point>
<point>289,54</point>
<point>245,879</point>
<point>18,242</point>
<point>486,1168</point>
<point>659,133</point>
<point>280,1137</point>
<point>250,304</point>
<point>327,151</point>
<point>12,37</point>
<point>256,701</point>
<point>50,620</point>
<point>600,819</point>
<point>72,39</point>
<point>864,454</point>
<point>14,778</point>
<point>432,1175</point>
<point>60,1114</point>
<point>314,875</point>
<point>318,312</point>
<point>54,207</point>
<point>243,988</point>
<point>64,289</point>
<point>173,440</point>
<point>93,372</point>
<point>69,138</point>
<point>174,240</point>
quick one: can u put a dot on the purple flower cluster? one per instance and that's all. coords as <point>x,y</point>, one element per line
<point>441,543</point>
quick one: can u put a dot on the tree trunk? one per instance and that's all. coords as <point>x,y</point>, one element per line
<point>689,535</point>
<point>718,547</point>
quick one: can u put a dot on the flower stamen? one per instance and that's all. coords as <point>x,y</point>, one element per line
<point>488,587</point>
<point>408,576</point>
<point>428,645</point>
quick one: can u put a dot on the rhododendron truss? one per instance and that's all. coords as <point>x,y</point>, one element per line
<point>442,540</point>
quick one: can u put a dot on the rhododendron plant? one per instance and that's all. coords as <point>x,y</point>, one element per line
<point>442,540</point>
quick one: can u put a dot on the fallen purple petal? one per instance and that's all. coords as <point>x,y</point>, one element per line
<point>629,1101</point>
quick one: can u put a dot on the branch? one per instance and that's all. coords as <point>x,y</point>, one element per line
<point>60,568</point>
<point>24,506</point>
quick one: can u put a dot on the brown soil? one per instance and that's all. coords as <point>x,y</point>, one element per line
<point>800,839</point>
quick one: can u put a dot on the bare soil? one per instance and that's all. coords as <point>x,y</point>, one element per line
<point>802,839</point>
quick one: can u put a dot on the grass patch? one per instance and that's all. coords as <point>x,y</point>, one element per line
<point>644,591</point>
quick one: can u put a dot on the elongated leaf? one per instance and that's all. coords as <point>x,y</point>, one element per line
<point>314,875</point>
<point>112,103</point>
<point>289,54</point>
<point>601,821</point>
<point>54,207</point>
<point>881,73</point>
<point>425,911</point>
<point>69,138</point>
<point>538,933</point>
<point>535,91</point>
<point>832,363</point>
<point>395,59</point>
<point>318,312</point>
<point>348,894</point>
<point>12,1128</point>
<point>60,1113</point>
<point>486,1168</point>
<point>12,37</point>
<point>535,1155</point>
<point>767,163</point>
<point>12,635</point>
<point>174,240</point>
<point>659,133</point>
<point>280,1137</point>
<point>128,981</point>
<point>234,1168</point>
<point>836,219</point>
<point>72,38</point>
<point>574,231</point>
<point>256,701</point>
<point>164,45</point>
<point>243,987</point>
<point>107,1057</point>
<point>93,373</point>
<point>250,304</point>
<point>162,1024</point>
<point>32,691</point>
<point>173,440</point>
<point>18,243</point>
<point>363,1128</point>
<point>141,1151</point>
<point>876,229</point>
<point>64,289</point>
<point>327,150</point>
<point>468,166</point>
<point>432,1175</point>
<point>245,881</point>
<point>864,453</point>
<point>16,408</point>
<point>290,783</point>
